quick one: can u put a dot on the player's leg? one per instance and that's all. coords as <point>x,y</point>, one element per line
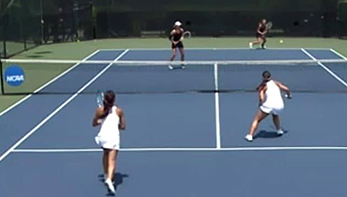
<point>173,56</point>
<point>105,163</point>
<point>174,52</point>
<point>277,123</point>
<point>257,41</point>
<point>263,42</point>
<point>112,154</point>
<point>181,48</point>
<point>111,163</point>
<point>260,115</point>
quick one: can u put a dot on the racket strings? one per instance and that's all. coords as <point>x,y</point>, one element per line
<point>187,34</point>
<point>269,25</point>
<point>100,99</point>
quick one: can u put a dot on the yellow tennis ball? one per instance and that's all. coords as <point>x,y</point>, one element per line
<point>281,41</point>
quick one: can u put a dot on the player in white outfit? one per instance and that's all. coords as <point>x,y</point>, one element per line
<point>271,102</point>
<point>112,120</point>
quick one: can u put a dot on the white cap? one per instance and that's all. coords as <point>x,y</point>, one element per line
<point>178,23</point>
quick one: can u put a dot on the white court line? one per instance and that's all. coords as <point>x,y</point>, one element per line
<point>325,68</point>
<point>338,54</point>
<point>309,54</point>
<point>60,107</point>
<point>47,84</point>
<point>216,94</point>
<point>237,149</point>
<point>223,48</point>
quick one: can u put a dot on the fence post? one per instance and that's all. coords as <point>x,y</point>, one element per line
<point>5,49</point>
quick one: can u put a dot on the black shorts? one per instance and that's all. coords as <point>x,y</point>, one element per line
<point>179,45</point>
<point>258,35</point>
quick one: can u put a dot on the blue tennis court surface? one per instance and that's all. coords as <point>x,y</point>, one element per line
<point>179,142</point>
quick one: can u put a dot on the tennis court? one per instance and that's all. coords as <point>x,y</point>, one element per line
<point>186,127</point>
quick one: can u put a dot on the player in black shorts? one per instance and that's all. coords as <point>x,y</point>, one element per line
<point>260,35</point>
<point>176,37</point>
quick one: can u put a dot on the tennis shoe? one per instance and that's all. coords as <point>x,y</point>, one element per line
<point>110,186</point>
<point>171,67</point>
<point>280,132</point>
<point>251,45</point>
<point>183,65</point>
<point>249,138</point>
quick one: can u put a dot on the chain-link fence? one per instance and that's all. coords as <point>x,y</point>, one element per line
<point>27,23</point>
<point>20,26</point>
<point>117,18</point>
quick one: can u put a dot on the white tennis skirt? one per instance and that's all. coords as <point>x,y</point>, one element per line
<point>271,110</point>
<point>108,143</point>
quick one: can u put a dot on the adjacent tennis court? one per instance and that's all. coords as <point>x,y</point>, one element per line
<point>185,127</point>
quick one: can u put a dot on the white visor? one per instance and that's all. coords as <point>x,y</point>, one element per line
<point>177,23</point>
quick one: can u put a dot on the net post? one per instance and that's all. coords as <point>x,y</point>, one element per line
<point>215,73</point>
<point>2,78</point>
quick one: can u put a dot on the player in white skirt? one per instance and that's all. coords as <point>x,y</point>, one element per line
<point>271,102</point>
<point>112,120</point>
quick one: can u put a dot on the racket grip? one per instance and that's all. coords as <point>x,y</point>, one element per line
<point>288,96</point>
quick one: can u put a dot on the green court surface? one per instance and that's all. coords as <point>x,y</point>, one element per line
<point>79,50</point>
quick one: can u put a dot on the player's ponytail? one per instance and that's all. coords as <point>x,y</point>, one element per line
<point>266,78</point>
<point>109,99</point>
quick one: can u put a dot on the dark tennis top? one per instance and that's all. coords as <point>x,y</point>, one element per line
<point>262,28</point>
<point>177,35</point>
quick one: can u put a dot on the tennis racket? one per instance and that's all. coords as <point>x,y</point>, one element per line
<point>288,96</point>
<point>269,25</point>
<point>100,99</point>
<point>186,34</point>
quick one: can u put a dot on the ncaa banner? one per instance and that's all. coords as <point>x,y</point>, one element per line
<point>14,75</point>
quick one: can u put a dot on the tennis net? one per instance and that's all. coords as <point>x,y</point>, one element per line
<point>138,77</point>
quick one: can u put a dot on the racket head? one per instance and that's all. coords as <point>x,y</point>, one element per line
<point>187,34</point>
<point>100,99</point>
<point>269,25</point>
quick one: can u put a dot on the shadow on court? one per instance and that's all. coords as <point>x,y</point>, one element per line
<point>268,134</point>
<point>39,54</point>
<point>118,180</point>
<point>43,52</point>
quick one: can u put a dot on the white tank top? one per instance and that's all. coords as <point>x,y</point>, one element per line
<point>110,125</point>
<point>273,97</point>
